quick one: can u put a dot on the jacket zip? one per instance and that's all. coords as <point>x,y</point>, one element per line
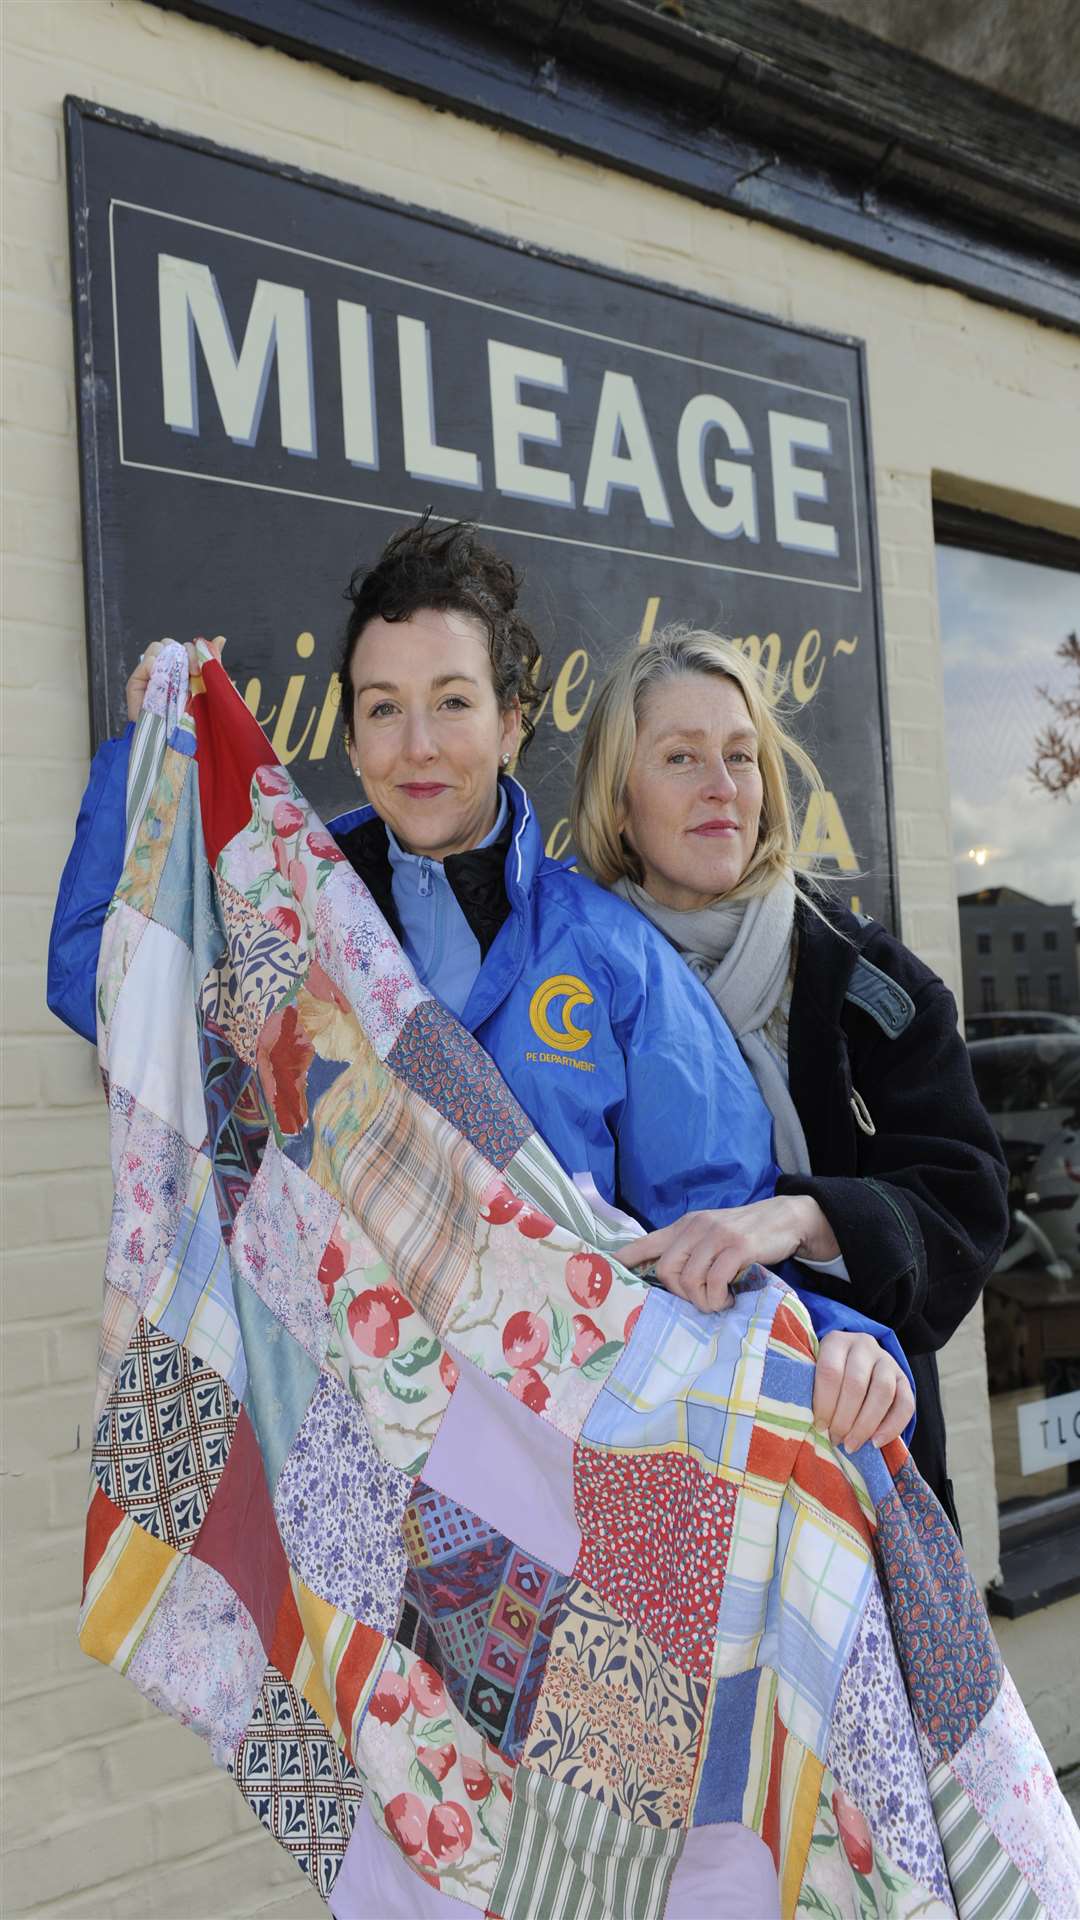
<point>427,890</point>
<point>878,1187</point>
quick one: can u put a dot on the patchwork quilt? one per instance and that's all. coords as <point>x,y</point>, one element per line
<point>496,1578</point>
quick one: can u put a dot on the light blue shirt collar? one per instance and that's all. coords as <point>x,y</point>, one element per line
<point>435,933</point>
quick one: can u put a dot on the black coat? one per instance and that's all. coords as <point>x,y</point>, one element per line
<point>918,1206</point>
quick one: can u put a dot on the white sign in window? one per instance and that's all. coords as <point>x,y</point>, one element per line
<point>1049,1432</point>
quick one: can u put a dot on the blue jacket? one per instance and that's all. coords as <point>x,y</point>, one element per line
<point>599,1030</point>
<point>87,884</point>
<point>613,1048</point>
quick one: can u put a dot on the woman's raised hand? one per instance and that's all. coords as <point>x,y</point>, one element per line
<point>135,691</point>
<point>860,1392</point>
<point>700,1255</point>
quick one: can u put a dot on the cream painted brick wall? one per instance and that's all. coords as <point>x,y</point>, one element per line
<point>111,1811</point>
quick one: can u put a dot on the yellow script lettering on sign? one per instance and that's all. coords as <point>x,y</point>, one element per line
<point>573,993</point>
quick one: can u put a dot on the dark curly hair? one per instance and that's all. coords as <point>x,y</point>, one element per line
<point>448,568</point>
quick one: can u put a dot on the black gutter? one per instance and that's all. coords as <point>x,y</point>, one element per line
<point>957,526</point>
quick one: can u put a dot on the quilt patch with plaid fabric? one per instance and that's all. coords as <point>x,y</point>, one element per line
<point>482,1601</point>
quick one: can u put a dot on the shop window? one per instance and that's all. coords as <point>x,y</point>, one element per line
<point>986,943</point>
<point>1008,599</point>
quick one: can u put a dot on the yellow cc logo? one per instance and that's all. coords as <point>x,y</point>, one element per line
<point>573,993</point>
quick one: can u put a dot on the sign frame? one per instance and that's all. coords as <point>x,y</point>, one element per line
<point>105,687</point>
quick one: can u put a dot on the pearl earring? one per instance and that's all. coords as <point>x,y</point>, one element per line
<point>505,761</point>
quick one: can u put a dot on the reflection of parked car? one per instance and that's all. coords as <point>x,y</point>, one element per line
<point>1001,1026</point>
<point>1030,1086</point>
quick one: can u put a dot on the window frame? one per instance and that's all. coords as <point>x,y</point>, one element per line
<point>1040,1537</point>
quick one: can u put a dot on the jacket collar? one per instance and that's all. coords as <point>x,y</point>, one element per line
<point>838,971</point>
<point>526,850</point>
<point>817,1054</point>
<point>487,882</point>
<point>835,947</point>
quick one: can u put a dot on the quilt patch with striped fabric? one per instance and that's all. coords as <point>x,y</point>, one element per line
<point>484,1602</point>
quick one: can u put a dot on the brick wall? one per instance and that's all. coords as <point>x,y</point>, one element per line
<point>99,1792</point>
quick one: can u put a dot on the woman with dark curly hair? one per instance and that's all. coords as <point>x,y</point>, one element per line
<point>595,1023</point>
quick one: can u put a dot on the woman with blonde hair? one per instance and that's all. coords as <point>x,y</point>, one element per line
<point>892,1184</point>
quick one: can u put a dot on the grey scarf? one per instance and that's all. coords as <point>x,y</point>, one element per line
<point>742,953</point>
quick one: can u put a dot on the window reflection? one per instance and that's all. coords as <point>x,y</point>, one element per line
<point>1017,862</point>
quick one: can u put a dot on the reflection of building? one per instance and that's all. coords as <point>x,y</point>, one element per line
<point>1017,952</point>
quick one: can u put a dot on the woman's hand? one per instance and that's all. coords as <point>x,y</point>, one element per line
<point>860,1392</point>
<point>700,1255</point>
<point>135,691</point>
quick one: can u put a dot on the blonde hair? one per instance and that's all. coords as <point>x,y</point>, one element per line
<point>611,738</point>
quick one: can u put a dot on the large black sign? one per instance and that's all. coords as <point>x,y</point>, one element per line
<point>278,372</point>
